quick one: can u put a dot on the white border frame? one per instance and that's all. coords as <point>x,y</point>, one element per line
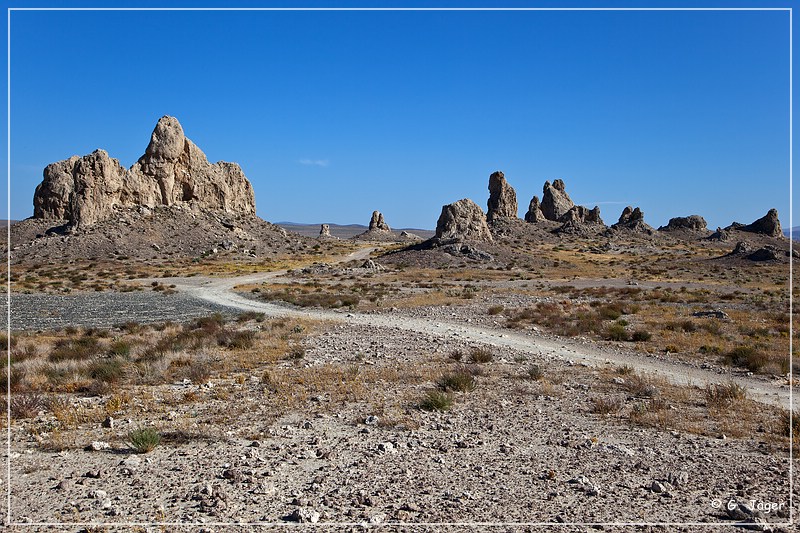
<point>10,523</point>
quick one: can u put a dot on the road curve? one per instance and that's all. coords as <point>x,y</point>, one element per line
<point>220,291</point>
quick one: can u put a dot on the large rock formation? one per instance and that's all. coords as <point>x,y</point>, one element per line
<point>555,200</point>
<point>325,230</point>
<point>377,223</point>
<point>173,170</point>
<point>462,221</point>
<point>692,222</point>
<point>633,219</point>
<point>578,214</point>
<point>502,198</point>
<point>534,213</point>
<point>766,225</point>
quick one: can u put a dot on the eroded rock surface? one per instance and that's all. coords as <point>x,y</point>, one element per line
<point>555,200</point>
<point>172,171</point>
<point>502,198</point>
<point>377,223</point>
<point>463,220</point>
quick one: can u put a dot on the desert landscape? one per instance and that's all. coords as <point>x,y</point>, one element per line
<point>176,363</point>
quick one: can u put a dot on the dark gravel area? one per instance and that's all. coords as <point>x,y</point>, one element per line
<point>103,309</point>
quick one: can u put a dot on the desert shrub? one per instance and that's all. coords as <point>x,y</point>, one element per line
<point>605,406</point>
<point>496,309</point>
<point>120,348</point>
<point>209,324</point>
<point>198,372</point>
<point>107,370</point>
<point>720,395</point>
<point>26,405</point>
<point>535,372</point>
<point>616,332</point>
<point>747,357</point>
<point>296,353</point>
<point>624,370</point>
<point>436,400</point>
<point>237,340</point>
<point>610,311</point>
<point>456,355</point>
<point>15,380</point>
<point>641,335</point>
<point>251,315</point>
<point>709,349</point>
<point>671,348</point>
<point>640,387</point>
<point>480,354</point>
<point>791,425</point>
<point>73,349</point>
<point>460,381</point>
<point>144,440</point>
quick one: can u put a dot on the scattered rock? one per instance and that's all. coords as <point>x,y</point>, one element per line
<point>97,446</point>
<point>716,313</point>
<point>502,198</point>
<point>304,515</point>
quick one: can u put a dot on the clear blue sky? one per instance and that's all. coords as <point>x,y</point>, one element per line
<point>335,114</point>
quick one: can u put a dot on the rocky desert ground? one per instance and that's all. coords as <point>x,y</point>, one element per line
<point>178,364</point>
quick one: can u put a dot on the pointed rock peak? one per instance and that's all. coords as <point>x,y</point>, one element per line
<point>534,213</point>
<point>555,200</point>
<point>167,140</point>
<point>377,223</point>
<point>769,224</point>
<point>502,198</point>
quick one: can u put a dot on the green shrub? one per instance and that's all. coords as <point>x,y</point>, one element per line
<point>459,381</point>
<point>107,370</point>
<point>144,440</point>
<point>73,349</point>
<point>641,335</point>
<point>120,347</point>
<point>747,357</point>
<point>496,309</point>
<point>436,401</point>
<point>251,315</point>
<point>616,332</point>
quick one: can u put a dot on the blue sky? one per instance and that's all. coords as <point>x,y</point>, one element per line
<point>335,114</point>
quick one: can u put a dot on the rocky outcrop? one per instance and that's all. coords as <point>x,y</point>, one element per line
<point>633,219</point>
<point>502,198</point>
<point>719,235</point>
<point>377,223</point>
<point>325,230</point>
<point>692,223</point>
<point>463,220</point>
<point>766,225</point>
<point>172,171</point>
<point>555,200</point>
<point>534,213</point>
<point>578,214</point>
<point>765,253</point>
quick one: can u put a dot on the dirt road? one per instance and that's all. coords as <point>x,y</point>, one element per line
<point>221,292</point>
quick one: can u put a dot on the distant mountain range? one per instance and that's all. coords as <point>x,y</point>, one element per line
<point>793,233</point>
<point>344,231</point>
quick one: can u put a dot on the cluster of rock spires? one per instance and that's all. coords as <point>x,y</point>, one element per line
<point>465,221</point>
<point>172,171</point>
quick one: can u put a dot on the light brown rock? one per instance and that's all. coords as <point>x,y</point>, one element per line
<point>555,200</point>
<point>173,170</point>
<point>502,198</point>
<point>534,213</point>
<point>377,223</point>
<point>463,220</point>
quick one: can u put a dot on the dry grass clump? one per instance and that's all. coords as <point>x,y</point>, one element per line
<point>460,380</point>
<point>748,357</point>
<point>481,354</point>
<point>723,395</point>
<point>606,405</point>
<point>535,373</point>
